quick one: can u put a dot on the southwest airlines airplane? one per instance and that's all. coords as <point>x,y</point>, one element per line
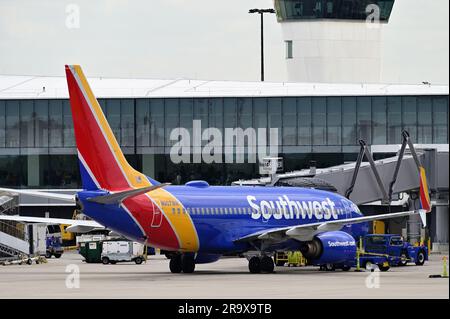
<point>199,223</point>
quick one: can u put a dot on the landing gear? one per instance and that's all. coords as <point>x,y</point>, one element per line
<point>182,263</point>
<point>254,265</point>
<point>175,264</point>
<point>267,264</point>
<point>263,264</point>
<point>188,264</point>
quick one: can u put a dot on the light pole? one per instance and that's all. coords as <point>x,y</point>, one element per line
<point>261,13</point>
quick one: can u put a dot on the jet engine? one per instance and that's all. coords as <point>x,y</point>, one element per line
<point>335,247</point>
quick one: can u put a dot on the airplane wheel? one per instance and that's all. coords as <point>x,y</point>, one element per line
<point>254,265</point>
<point>267,264</point>
<point>188,264</point>
<point>175,264</point>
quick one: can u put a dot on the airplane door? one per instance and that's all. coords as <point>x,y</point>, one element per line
<point>157,216</point>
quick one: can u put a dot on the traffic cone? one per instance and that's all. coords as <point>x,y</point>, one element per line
<point>445,273</point>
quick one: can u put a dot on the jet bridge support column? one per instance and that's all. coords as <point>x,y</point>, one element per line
<point>364,151</point>
<point>414,224</point>
<point>440,240</point>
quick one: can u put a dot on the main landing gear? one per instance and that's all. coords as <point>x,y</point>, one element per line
<point>258,264</point>
<point>182,263</point>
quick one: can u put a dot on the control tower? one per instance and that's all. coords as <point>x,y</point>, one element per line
<point>365,41</point>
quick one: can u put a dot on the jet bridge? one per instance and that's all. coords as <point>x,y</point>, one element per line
<point>382,181</point>
<point>366,182</point>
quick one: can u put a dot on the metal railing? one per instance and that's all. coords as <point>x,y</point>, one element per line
<point>13,229</point>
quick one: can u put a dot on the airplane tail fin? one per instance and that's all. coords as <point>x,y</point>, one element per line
<point>102,163</point>
<point>425,202</point>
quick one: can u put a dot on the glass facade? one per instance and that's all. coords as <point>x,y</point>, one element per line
<point>37,145</point>
<point>332,9</point>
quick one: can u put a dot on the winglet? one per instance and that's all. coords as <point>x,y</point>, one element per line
<point>423,217</point>
<point>425,202</point>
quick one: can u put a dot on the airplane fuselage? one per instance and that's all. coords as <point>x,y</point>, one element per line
<point>200,218</point>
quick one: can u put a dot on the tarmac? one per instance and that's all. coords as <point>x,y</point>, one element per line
<point>70,277</point>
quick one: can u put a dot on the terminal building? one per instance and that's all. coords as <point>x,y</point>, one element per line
<point>334,99</point>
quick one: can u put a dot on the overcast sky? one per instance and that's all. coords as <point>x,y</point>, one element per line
<point>202,39</point>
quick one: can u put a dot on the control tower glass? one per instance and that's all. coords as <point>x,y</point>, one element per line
<point>332,9</point>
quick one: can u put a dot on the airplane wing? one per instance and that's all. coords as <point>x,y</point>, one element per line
<point>306,232</point>
<point>64,197</point>
<point>78,226</point>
